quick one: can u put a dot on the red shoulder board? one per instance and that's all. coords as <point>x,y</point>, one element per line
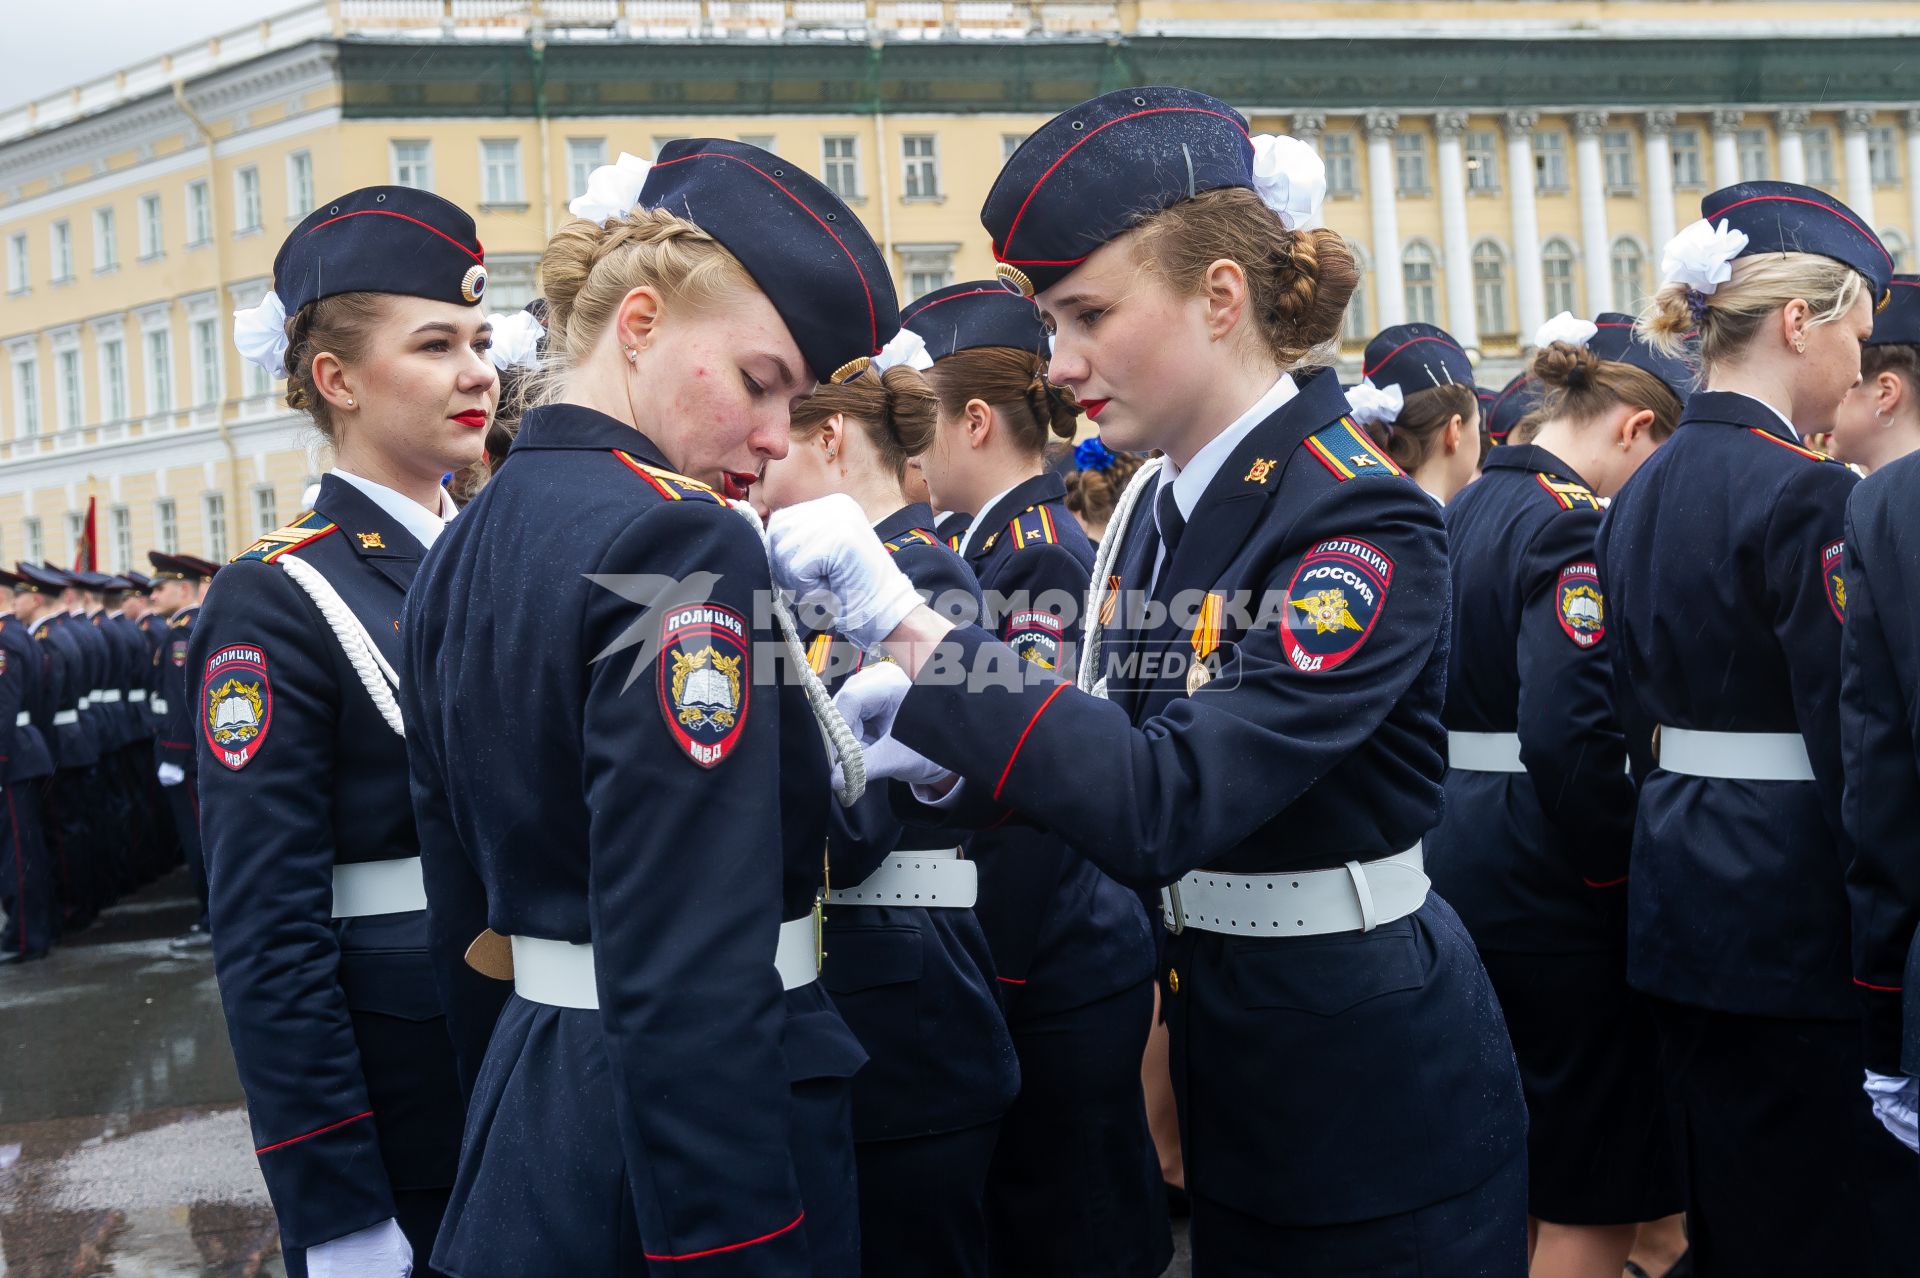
<point>1568,494</point>
<point>1791,447</point>
<point>304,531</point>
<point>669,485</point>
<point>1344,449</point>
<point>1034,526</point>
<point>912,537</point>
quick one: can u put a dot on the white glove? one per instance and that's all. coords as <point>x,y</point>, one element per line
<point>171,774</point>
<point>869,701</point>
<point>378,1251</point>
<point>824,552</point>
<point>1896,1103</point>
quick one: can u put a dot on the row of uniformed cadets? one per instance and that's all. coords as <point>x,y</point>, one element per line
<point>620,920</point>
<point>81,724</point>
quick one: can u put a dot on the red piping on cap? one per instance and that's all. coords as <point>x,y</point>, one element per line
<point>972,292</point>
<point>478,256</point>
<point>1369,372</point>
<point>873,319</point>
<point>1015,226</point>
<point>1796,199</point>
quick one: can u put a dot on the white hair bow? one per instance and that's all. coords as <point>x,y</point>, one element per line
<point>907,347</point>
<point>260,334</point>
<point>1372,403</point>
<point>516,340</point>
<point>612,190</point>
<point>1290,178</point>
<point>1701,256</point>
<point>1564,327</point>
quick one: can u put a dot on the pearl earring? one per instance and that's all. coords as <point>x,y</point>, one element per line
<point>349,401</point>
<point>830,454</point>
<point>632,355</point>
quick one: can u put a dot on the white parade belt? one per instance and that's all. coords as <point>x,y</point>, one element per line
<point>1484,751</point>
<point>24,719</point>
<point>110,696</point>
<point>62,718</point>
<point>378,887</point>
<point>560,973</point>
<point>933,880</point>
<point>1356,897</point>
<point>138,694</point>
<point>1735,756</point>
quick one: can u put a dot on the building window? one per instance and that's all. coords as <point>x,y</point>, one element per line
<point>1550,162</point>
<point>17,280</point>
<point>1355,329</point>
<point>36,544</point>
<point>254,380</point>
<point>106,241</point>
<point>840,161</point>
<point>214,508</point>
<point>765,141</point>
<point>265,510</point>
<point>1752,145</point>
<point>1687,168</point>
<point>159,371</point>
<point>152,228</point>
<point>584,155</point>
<point>166,522</point>
<point>919,167</point>
<point>246,200</point>
<point>1556,270</point>
<point>120,520</point>
<point>1616,150</point>
<point>76,528</point>
<point>26,396</point>
<point>113,379</point>
<point>412,164</point>
<point>1483,162</point>
<point>661,141</point>
<point>1009,143</point>
<point>62,244</point>
<point>1897,250</point>
<point>500,171</point>
<point>1410,163</point>
<point>1416,271</point>
<point>1336,149</point>
<point>1629,276</point>
<point>206,361</point>
<point>299,185</point>
<point>1882,159</point>
<point>1818,145</point>
<point>1490,288</point>
<point>926,268</point>
<point>199,214</point>
<point>67,405</point>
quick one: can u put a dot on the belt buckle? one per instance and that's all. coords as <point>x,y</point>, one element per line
<point>1179,923</point>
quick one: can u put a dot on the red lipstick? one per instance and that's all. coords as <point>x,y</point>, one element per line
<point>473,418</point>
<point>1094,407</point>
<point>734,483</point>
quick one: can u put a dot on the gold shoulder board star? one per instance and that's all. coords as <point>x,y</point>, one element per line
<point>1262,467</point>
<point>371,541</point>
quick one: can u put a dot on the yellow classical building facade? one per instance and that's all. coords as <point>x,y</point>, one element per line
<point>1493,161</point>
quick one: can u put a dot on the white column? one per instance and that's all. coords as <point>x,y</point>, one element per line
<point>1726,147</point>
<point>1660,217</point>
<point>1527,286</point>
<point>1461,321</point>
<point>1391,294</point>
<point>1788,124</point>
<point>1913,183</point>
<point>1592,177</point>
<point>1308,126</point>
<point>1853,125</point>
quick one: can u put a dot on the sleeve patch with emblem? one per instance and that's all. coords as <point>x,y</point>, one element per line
<point>1333,601</point>
<point>179,652</point>
<point>1830,569</point>
<point>1582,610</point>
<point>705,681</point>
<point>1036,636</point>
<point>236,704</point>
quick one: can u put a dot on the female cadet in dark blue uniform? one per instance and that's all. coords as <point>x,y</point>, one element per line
<point>1417,401</point>
<point>1075,1188</point>
<point>1348,1096</point>
<point>316,899</point>
<point>906,960</point>
<point>1511,406</point>
<point>1879,420</point>
<point>648,1098</point>
<point>1880,735</point>
<point>1725,593</point>
<point>1533,846</point>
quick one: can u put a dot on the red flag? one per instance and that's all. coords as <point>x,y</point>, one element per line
<point>87,555</point>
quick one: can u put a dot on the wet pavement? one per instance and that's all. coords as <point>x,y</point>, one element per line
<point>124,1148</point>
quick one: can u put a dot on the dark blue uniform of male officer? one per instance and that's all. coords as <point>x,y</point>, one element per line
<point>73,805</point>
<point>173,705</point>
<point>26,871</point>
<point>916,985</point>
<point>665,1089</point>
<point>337,1031</point>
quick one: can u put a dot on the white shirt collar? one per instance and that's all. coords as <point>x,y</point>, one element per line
<point>1190,482</point>
<point>408,513</point>
<point>1791,428</point>
<point>979,520</point>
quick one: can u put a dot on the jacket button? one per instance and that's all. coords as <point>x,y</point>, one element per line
<point>1173,980</point>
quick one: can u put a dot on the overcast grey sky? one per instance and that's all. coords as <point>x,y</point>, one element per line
<point>52,44</point>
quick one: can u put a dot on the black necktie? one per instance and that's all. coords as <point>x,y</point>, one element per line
<point>1167,515</point>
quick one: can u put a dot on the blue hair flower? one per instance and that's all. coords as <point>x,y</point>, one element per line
<point>1091,454</point>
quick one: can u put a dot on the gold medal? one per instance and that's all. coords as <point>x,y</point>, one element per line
<point>1198,676</point>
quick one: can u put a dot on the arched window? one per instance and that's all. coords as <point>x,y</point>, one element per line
<point>1556,273</point>
<point>1897,248</point>
<point>1490,288</point>
<point>1355,329</point>
<point>1416,273</point>
<point>1629,275</point>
